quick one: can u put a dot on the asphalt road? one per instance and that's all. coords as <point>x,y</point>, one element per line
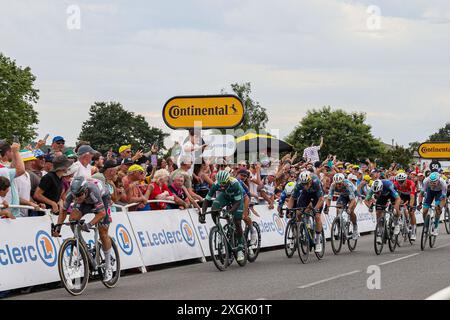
<point>408,273</point>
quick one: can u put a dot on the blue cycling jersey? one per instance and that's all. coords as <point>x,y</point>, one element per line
<point>315,188</point>
<point>346,189</point>
<point>388,190</point>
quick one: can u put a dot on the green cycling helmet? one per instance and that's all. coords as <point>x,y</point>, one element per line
<point>222,177</point>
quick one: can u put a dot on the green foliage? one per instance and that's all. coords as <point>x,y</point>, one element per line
<point>255,117</point>
<point>110,126</point>
<point>345,135</point>
<point>442,135</point>
<point>397,154</point>
<point>17,95</point>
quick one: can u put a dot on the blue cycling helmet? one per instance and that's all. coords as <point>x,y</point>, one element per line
<point>434,177</point>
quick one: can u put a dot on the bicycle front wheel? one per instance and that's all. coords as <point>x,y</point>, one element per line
<point>336,235</point>
<point>392,239</point>
<point>379,230</point>
<point>447,219</point>
<point>350,241</point>
<point>219,249</point>
<point>303,243</point>
<point>73,266</point>
<point>290,238</point>
<point>432,238</point>
<point>425,230</point>
<point>114,265</point>
<point>252,248</point>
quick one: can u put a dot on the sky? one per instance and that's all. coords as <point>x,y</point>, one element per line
<point>388,58</point>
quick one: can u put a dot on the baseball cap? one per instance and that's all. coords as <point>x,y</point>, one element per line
<point>70,154</point>
<point>85,149</point>
<point>108,165</point>
<point>48,158</point>
<point>352,177</point>
<point>127,161</point>
<point>124,147</point>
<point>243,172</point>
<point>27,155</point>
<point>58,138</point>
<point>135,167</point>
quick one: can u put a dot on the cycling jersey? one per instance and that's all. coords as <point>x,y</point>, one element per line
<point>388,190</point>
<point>315,188</point>
<point>347,189</point>
<point>440,186</point>
<point>232,194</point>
<point>407,188</point>
<point>97,200</point>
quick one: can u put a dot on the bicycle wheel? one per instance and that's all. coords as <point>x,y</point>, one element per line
<point>425,230</point>
<point>447,219</point>
<point>290,238</point>
<point>379,230</point>
<point>73,266</point>
<point>303,245</point>
<point>392,239</point>
<point>320,254</point>
<point>350,242</point>
<point>336,235</point>
<point>253,250</point>
<point>432,238</point>
<point>115,265</point>
<point>219,249</point>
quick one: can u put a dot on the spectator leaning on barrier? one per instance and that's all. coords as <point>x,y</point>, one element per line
<point>4,190</point>
<point>51,185</point>
<point>185,166</point>
<point>17,169</point>
<point>160,190</point>
<point>177,188</point>
<point>109,173</point>
<point>268,189</point>
<point>254,181</point>
<point>133,192</point>
<point>38,165</point>
<point>23,185</point>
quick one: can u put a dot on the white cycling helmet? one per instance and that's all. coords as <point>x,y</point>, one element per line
<point>377,185</point>
<point>338,178</point>
<point>401,177</point>
<point>289,188</point>
<point>304,177</point>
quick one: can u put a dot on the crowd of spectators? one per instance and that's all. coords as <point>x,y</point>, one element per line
<point>146,182</point>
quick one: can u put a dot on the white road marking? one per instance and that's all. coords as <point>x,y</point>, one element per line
<point>443,246</point>
<point>328,279</point>
<point>402,258</point>
<point>261,299</point>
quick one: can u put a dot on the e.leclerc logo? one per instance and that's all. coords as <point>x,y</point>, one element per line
<point>278,223</point>
<point>124,239</point>
<point>187,232</point>
<point>46,248</point>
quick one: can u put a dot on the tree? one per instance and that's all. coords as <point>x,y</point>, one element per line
<point>442,135</point>
<point>255,116</point>
<point>110,126</point>
<point>345,135</point>
<point>17,95</point>
<point>398,154</point>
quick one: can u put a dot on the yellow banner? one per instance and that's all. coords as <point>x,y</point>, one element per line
<point>435,150</point>
<point>208,112</point>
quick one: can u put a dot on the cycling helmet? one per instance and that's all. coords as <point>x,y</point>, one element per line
<point>401,177</point>
<point>304,177</point>
<point>222,177</point>
<point>78,186</point>
<point>289,188</point>
<point>434,177</point>
<point>377,186</point>
<point>338,178</point>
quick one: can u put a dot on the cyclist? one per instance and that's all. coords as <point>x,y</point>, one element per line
<point>308,190</point>
<point>384,191</point>
<point>446,176</point>
<point>230,193</point>
<point>89,196</point>
<point>407,190</point>
<point>436,189</point>
<point>347,196</point>
<point>285,195</point>
<point>242,176</point>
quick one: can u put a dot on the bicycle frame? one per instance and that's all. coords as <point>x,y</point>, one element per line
<point>225,215</point>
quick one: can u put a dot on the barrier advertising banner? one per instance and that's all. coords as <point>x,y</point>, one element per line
<point>165,236</point>
<point>28,253</point>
